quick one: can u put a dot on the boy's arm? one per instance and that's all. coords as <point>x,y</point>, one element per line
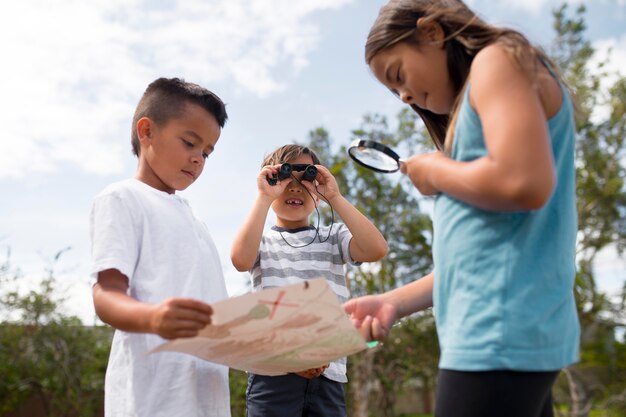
<point>246,244</point>
<point>367,244</point>
<point>247,240</point>
<point>173,318</point>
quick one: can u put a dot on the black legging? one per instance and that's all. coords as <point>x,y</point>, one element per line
<point>494,394</point>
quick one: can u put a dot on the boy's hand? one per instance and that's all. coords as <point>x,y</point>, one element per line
<point>327,187</point>
<point>265,188</point>
<point>371,316</point>
<point>180,317</point>
<point>313,372</point>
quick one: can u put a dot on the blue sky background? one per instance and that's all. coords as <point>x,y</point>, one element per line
<point>73,72</point>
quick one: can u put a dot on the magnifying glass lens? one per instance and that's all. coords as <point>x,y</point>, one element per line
<point>374,159</point>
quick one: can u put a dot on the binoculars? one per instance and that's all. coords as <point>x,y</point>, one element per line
<point>310,172</point>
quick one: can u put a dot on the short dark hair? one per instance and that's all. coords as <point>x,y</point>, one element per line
<point>288,153</point>
<point>166,98</point>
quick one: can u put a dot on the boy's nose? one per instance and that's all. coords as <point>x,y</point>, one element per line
<point>294,186</point>
<point>197,158</point>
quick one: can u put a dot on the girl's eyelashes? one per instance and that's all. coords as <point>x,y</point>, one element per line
<point>398,78</point>
<point>187,143</point>
<point>205,155</point>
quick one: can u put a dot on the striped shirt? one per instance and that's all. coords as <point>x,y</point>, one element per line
<point>284,259</point>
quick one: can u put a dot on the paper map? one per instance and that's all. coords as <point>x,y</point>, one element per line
<point>275,331</point>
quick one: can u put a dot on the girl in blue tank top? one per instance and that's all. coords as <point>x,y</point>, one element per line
<point>504,221</point>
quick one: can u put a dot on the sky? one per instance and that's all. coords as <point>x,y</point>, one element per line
<point>72,73</point>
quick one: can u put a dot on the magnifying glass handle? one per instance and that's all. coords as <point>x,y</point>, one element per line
<point>401,162</point>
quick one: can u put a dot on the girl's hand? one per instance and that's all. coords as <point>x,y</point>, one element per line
<point>419,168</point>
<point>327,187</point>
<point>372,316</point>
<point>265,188</point>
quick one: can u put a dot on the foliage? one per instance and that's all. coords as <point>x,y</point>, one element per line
<point>406,364</point>
<point>598,380</point>
<point>238,382</point>
<point>46,356</point>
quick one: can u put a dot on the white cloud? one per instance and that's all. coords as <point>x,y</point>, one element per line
<point>615,50</point>
<point>530,6</point>
<point>73,71</point>
<point>533,6</point>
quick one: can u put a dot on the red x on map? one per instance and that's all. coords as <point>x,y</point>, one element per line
<point>276,303</point>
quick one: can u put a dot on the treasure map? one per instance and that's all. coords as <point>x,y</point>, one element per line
<point>275,331</point>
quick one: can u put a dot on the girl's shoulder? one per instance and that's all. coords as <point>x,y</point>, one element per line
<point>494,60</point>
<point>497,69</point>
<point>496,73</point>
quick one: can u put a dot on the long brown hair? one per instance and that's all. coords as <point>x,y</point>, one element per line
<point>465,35</point>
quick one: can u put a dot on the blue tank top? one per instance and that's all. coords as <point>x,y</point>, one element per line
<point>503,291</point>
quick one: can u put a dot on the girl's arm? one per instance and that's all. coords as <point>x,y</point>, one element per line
<point>518,172</point>
<point>374,315</point>
<point>413,297</point>
<point>173,318</point>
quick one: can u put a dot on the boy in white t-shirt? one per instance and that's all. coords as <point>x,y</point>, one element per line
<point>155,265</point>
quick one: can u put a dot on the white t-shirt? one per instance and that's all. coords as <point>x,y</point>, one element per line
<point>154,239</point>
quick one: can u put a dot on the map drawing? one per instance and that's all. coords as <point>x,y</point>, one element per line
<point>275,331</point>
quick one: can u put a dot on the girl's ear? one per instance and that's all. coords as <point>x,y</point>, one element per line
<point>430,31</point>
<point>144,130</point>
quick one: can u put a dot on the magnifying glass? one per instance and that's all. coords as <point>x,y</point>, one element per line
<point>375,156</point>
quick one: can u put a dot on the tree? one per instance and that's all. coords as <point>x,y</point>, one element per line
<point>47,356</point>
<point>407,362</point>
<point>238,383</point>
<point>601,199</point>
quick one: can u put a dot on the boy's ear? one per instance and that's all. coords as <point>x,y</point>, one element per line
<point>430,31</point>
<point>144,130</point>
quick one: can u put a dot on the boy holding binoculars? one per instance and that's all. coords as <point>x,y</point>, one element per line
<point>291,182</point>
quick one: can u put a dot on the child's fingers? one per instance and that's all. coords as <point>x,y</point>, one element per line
<point>189,329</point>
<point>309,186</point>
<point>267,171</point>
<point>193,304</point>
<point>175,328</point>
<point>357,322</point>
<point>321,170</point>
<point>365,329</point>
<point>379,332</point>
<point>359,308</point>
<point>350,307</point>
<point>323,176</point>
<point>187,309</point>
<point>200,318</point>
